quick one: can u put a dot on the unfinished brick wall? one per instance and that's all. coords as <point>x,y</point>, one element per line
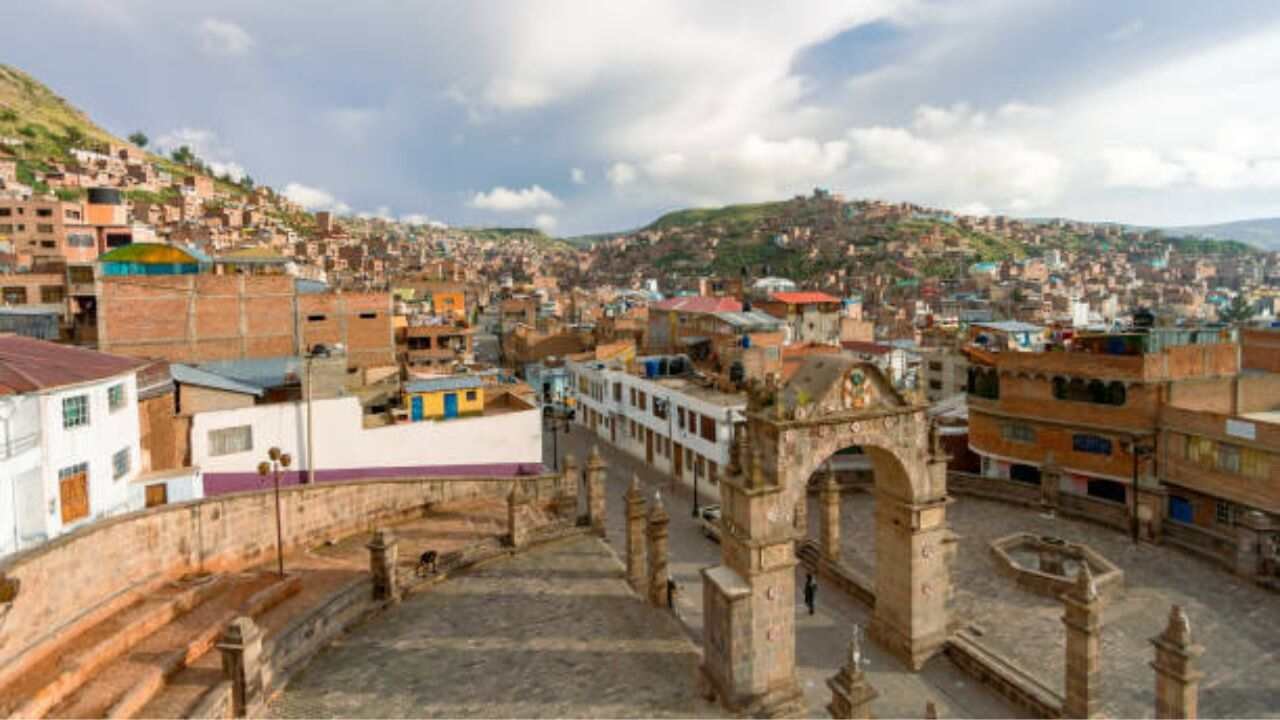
<point>63,583</point>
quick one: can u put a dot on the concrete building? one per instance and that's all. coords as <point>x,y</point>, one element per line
<point>229,444</point>
<point>445,398</point>
<point>944,373</point>
<point>70,451</point>
<point>426,343</point>
<point>669,420</point>
<point>810,317</point>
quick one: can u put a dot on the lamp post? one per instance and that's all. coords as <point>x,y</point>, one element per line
<point>277,460</point>
<point>557,422</point>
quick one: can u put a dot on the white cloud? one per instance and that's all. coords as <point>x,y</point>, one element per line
<point>666,165</point>
<point>313,198</point>
<point>415,219</point>
<point>501,199</point>
<point>1140,168</point>
<point>578,176</point>
<point>930,119</point>
<point>231,169</point>
<point>545,222</point>
<point>206,145</point>
<point>975,209</point>
<point>223,38</point>
<point>894,148</point>
<point>621,173</point>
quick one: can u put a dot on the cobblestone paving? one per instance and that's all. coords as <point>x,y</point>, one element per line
<point>1238,623</point>
<point>554,632</point>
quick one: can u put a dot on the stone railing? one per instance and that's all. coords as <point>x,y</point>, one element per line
<point>999,489</point>
<point>1210,545</point>
<point>1111,514</point>
<point>72,582</point>
<point>994,671</point>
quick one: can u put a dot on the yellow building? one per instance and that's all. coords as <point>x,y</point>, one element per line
<point>444,398</point>
<point>449,303</point>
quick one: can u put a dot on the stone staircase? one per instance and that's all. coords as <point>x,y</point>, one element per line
<point>116,666</point>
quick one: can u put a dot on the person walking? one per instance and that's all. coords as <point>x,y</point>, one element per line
<point>810,592</point>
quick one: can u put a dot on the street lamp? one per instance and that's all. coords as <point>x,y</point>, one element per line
<point>278,460</point>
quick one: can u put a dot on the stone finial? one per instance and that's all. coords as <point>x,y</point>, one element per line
<point>658,510</point>
<point>634,488</point>
<point>382,537</point>
<point>854,660</point>
<point>930,711</point>
<point>517,492</point>
<point>570,462</point>
<point>1085,588</point>
<point>594,460</point>
<point>1178,631</point>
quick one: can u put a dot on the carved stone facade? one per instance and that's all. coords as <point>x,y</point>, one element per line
<point>830,404</point>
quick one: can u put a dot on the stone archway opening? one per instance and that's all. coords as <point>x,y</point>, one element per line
<point>832,403</point>
<point>839,516</point>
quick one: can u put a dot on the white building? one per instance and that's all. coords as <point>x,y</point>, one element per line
<point>69,439</point>
<point>229,444</point>
<point>673,424</point>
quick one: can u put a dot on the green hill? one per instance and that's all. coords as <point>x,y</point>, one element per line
<point>729,216</point>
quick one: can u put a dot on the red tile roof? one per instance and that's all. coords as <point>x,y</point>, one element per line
<point>700,304</point>
<point>29,365</point>
<point>869,348</point>
<point>804,298</point>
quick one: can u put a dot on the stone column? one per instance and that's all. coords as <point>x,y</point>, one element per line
<point>383,554</point>
<point>830,517</point>
<point>1050,479</point>
<point>1249,532</point>
<point>517,518</point>
<point>241,647</point>
<point>1177,681</point>
<point>595,491</point>
<point>1082,619</point>
<point>636,538</point>
<point>657,533</point>
<point>567,500</point>
<point>851,694</point>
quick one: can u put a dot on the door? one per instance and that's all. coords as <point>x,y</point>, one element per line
<point>1180,509</point>
<point>677,460</point>
<point>648,446</point>
<point>157,494</point>
<point>450,405</point>
<point>416,408</point>
<point>73,491</point>
<point>613,430</point>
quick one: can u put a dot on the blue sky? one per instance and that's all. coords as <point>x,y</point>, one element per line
<point>588,117</point>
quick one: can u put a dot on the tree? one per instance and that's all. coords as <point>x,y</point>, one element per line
<point>139,138</point>
<point>75,136</point>
<point>1237,312</point>
<point>183,156</point>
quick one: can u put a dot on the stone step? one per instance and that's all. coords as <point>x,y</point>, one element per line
<point>49,682</point>
<point>124,686</point>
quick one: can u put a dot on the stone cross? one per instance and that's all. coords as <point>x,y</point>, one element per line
<point>657,533</point>
<point>383,556</point>
<point>1082,618</point>
<point>851,694</point>
<point>241,647</point>
<point>635,538</point>
<point>595,491</point>
<point>1177,680</point>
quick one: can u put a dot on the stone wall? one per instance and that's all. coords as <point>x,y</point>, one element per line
<point>77,579</point>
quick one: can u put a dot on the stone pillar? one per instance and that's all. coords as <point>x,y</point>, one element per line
<point>595,491</point>
<point>1082,616</point>
<point>1250,529</point>
<point>913,576</point>
<point>1177,681</point>
<point>383,554</point>
<point>567,499</point>
<point>657,534</point>
<point>635,539</point>
<point>930,711</point>
<point>830,518</point>
<point>1050,479</point>
<point>241,647</point>
<point>851,694</point>
<point>517,518</point>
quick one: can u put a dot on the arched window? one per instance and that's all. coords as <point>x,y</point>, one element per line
<point>1060,387</point>
<point>1077,390</point>
<point>1116,393</point>
<point>1097,392</point>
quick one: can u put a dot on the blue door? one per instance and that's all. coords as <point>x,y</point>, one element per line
<point>451,405</point>
<point>416,408</point>
<point>1180,509</point>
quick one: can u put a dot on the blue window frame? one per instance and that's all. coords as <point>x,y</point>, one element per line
<point>1094,444</point>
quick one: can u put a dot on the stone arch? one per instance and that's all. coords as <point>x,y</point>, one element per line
<point>831,403</point>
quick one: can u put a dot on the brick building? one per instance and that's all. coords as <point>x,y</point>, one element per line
<point>196,318</point>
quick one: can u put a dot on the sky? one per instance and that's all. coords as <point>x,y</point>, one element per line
<point>584,117</point>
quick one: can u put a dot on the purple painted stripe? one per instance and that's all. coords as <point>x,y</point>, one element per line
<point>223,483</point>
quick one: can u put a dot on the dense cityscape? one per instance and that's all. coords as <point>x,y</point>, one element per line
<point>807,456</point>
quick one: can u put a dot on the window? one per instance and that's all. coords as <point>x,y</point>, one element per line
<point>633,397</point>
<point>1018,432</point>
<point>80,240</point>
<point>617,392</point>
<point>1107,490</point>
<point>5,212</point>
<point>680,415</point>
<point>1228,458</point>
<point>75,411</point>
<point>471,396</point>
<point>1092,444</point>
<point>644,401</point>
<point>232,440</point>
<point>1222,512</point>
<point>6,228</point>
<point>44,227</point>
<point>51,294</point>
<point>984,382</point>
<point>115,397</point>
<point>315,318</point>
<point>120,463</point>
<point>14,295</point>
<point>1200,450</point>
<point>708,429</point>
<point>935,384</point>
<point>44,212</point>
<point>81,274</point>
<point>368,316</point>
<point>660,408</point>
<point>935,366</point>
<point>1255,464</point>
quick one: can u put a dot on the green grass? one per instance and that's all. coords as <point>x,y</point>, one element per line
<point>733,216</point>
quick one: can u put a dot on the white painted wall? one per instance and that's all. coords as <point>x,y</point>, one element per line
<point>341,441</point>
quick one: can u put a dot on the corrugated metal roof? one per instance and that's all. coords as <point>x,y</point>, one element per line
<point>749,319</point>
<point>465,382</point>
<point>188,375</point>
<point>1010,326</point>
<point>258,372</point>
<point>31,365</point>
